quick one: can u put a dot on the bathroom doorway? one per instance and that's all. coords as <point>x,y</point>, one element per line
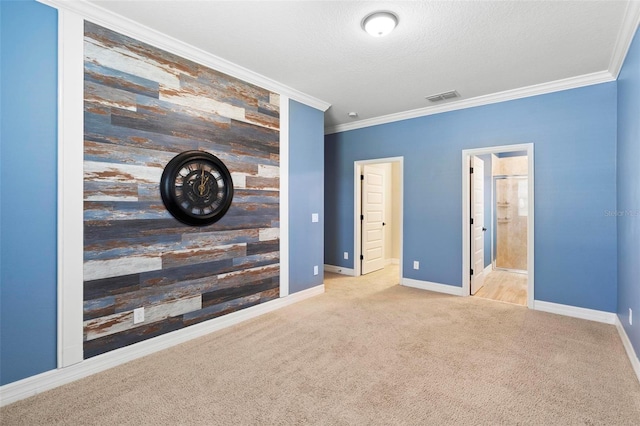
<point>498,223</point>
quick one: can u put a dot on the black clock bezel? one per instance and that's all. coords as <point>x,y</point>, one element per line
<point>168,192</point>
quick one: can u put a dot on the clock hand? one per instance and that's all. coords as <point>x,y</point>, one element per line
<point>201,187</point>
<point>203,182</point>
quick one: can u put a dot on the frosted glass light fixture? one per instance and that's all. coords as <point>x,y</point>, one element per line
<point>379,24</point>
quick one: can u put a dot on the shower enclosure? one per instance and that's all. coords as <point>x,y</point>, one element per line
<point>510,222</point>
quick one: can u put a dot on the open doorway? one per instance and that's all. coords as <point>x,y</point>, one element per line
<point>378,190</point>
<point>498,236</point>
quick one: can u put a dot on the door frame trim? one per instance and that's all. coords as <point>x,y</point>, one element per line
<point>472,248</point>
<point>466,227</point>
<point>357,194</point>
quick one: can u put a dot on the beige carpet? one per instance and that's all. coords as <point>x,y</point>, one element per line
<point>366,352</point>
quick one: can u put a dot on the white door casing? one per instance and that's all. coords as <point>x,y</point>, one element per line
<point>373,186</point>
<point>466,210</point>
<point>477,216</point>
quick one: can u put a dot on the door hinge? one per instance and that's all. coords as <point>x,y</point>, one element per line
<point>472,272</point>
<point>361,257</point>
<point>361,177</point>
<point>361,217</point>
<point>472,221</point>
<point>471,170</point>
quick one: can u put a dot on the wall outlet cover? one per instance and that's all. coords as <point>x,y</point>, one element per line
<point>138,315</point>
<point>346,255</point>
<point>315,270</point>
<point>416,264</point>
<point>314,217</point>
<point>630,316</point>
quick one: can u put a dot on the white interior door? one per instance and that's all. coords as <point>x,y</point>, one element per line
<point>372,219</point>
<point>477,216</point>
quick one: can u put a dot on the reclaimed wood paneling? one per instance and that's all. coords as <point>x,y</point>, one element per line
<point>143,106</point>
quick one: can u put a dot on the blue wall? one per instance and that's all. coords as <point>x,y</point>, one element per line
<point>628,207</point>
<point>306,196</point>
<point>28,190</point>
<point>574,133</point>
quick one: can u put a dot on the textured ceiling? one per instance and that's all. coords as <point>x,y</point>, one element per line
<point>318,47</point>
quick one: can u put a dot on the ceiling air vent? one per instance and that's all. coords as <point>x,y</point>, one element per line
<point>443,96</point>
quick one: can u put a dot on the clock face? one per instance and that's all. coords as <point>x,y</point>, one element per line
<point>196,188</point>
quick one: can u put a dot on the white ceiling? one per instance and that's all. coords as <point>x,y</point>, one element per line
<point>318,47</point>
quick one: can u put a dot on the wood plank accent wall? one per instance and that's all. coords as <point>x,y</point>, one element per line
<point>142,107</point>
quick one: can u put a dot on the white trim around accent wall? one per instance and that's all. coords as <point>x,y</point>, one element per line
<point>51,379</point>
<point>466,244</point>
<point>70,195</point>
<point>284,196</point>
<point>70,187</point>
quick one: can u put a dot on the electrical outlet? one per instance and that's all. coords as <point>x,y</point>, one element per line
<point>630,316</point>
<point>346,255</point>
<point>416,264</point>
<point>314,217</point>
<point>315,270</point>
<point>138,315</point>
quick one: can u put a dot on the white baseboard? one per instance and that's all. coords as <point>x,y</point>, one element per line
<point>33,385</point>
<point>488,269</point>
<point>392,261</point>
<point>574,311</point>
<point>426,285</point>
<point>631,353</point>
<point>339,270</point>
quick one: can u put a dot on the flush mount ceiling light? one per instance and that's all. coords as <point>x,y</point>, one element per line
<point>379,24</point>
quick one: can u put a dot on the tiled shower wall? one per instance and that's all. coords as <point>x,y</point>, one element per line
<point>142,107</point>
<point>511,194</point>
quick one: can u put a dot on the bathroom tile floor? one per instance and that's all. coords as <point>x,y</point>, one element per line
<point>510,287</point>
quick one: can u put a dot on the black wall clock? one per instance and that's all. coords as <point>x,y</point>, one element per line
<point>196,188</point>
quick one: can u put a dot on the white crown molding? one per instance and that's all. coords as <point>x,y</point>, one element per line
<point>34,385</point>
<point>128,27</point>
<point>575,312</point>
<point>430,286</point>
<point>631,353</point>
<point>507,95</point>
<point>630,24</point>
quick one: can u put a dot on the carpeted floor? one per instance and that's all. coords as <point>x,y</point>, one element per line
<point>366,352</point>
